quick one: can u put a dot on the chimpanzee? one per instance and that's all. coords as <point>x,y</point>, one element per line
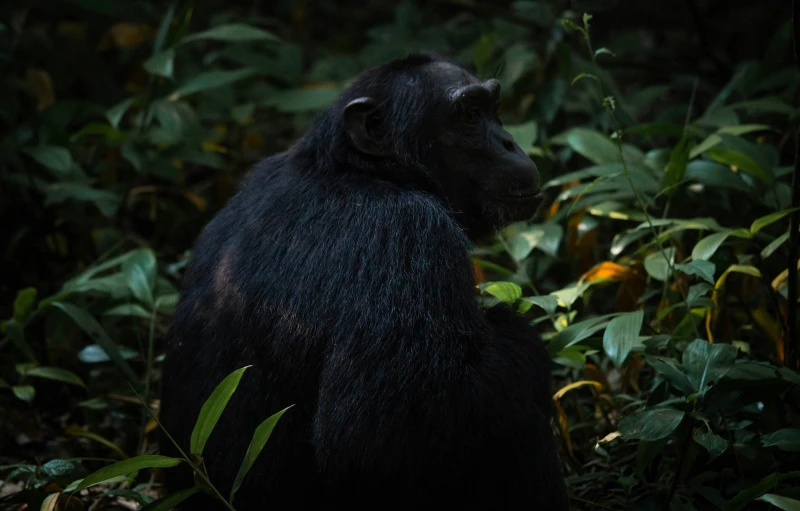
<point>341,271</point>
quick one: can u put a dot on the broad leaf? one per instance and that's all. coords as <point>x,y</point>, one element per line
<point>57,159</point>
<point>547,302</point>
<point>24,392</point>
<point>505,291</point>
<point>622,335</point>
<point>714,444</point>
<point>657,264</point>
<point>651,424</point>
<point>787,439</point>
<point>747,495</point>
<point>699,267</point>
<point>707,363</point>
<point>161,64</point>
<point>672,371</point>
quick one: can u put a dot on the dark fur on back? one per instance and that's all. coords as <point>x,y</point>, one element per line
<point>347,284</point>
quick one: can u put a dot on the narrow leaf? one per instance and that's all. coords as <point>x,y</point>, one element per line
<point>212,410</point>
<point>770,219</point>
<point>784,503</point>
<point>96,332</point>
<point>55,373</point>
<point>260,437</point>
<point>126,467</point>
<point>234,32</point>
<point>170,501</point>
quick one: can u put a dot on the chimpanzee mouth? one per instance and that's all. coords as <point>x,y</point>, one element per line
<point>524,195</point>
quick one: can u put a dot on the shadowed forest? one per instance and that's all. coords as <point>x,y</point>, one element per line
<point>661,273</point>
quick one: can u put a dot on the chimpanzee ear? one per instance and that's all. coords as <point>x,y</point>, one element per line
<point>363,123</point>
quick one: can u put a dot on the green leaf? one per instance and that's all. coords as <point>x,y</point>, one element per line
<point>128,309</point>
<point>707,363</point>
<point>622,335</point>
<point>545,236</point>
<point>581,76</point>
<point>4,384</point>
<point>784,503</point>
<point>140,274</point>
<point>212,410</point>
<point>24,392</point>
<point>211,80</point>
<point>301,100</point>
<point>577,332</point>
<point>547,302</point>
<point>170,501</point>
<point>59,468</point>
<point>749,370</point>
<point>714,444</point>
<point>676,167</point>
<point>774,245</point>
<point>708,246</point>
<point>55,158</point>
<point>656,263</point>
<point>672,371</point>
<point>592,145</point>
<point>161,64</point>
<point>770,219</point>
<point>55,373</point>
<point>232,33</point>
<point>747,495</point>
<point>505,291</point>
<point>260,437</point>
<point>94,354</point>
<point>601,51</point>
<point>651,424</point>
<point>96,332</point>
<point>116,112</point>
<point>740,161</point>
<point>699,267</point>
<point>24,304</point>
<point>126,467</point>
<point>787,439</point>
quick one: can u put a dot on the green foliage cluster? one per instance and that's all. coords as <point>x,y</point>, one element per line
<point>658,273</point>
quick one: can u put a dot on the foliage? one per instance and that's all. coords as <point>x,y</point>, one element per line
<point>658,274</point>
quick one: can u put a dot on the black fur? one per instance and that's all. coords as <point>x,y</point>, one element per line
<point>346,281</point>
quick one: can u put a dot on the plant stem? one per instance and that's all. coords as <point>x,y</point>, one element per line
<point>638,196</point>
<point>186,458</point>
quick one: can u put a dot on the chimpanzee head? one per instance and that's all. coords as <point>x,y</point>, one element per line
<point>426,122</point>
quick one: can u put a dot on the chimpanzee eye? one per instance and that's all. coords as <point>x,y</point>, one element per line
<point>472,115</point>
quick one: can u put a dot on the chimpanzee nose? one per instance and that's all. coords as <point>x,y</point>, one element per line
<point>509,144</point>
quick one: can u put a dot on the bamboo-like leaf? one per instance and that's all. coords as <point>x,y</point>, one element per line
<point>212,410</point>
